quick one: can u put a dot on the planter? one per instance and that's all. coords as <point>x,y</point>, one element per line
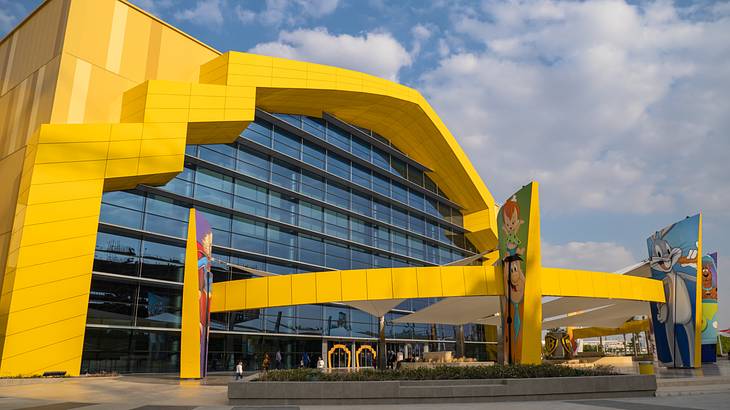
<point>439,391</point>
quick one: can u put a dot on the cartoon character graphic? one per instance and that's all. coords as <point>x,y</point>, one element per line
<point>709,306</point>
<point>204,244</point>
<point>673,260</point>
<point>511,223</point>
<point>512,248</point>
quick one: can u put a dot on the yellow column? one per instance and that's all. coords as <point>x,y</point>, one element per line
<point>190,346</point>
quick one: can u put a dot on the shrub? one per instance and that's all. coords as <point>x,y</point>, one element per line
<point>438,373</point>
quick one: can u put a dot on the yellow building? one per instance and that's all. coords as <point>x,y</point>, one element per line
<point>114,124</point>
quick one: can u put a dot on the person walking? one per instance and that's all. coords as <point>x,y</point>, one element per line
<point>239,371</point>
<point>320,363</point>
<point>305,360</point>
<point>265,363</point>
<point>278,359</point>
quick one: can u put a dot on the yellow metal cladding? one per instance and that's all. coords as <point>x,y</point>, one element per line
<point>698,301</point>
<point>355,285</point>
<point>190,335</point>
<point>532,320</point>
<point>583,283</point>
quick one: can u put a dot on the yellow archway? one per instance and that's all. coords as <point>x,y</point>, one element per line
<point>333,349</point>
<point>359,350</point>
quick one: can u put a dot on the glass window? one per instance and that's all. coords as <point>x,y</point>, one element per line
<point>111,302</point>
<point>338,165</point>
<point>214,180</point>
<point>287,143</point>
<point>400,242</point>
<point>252,163</point>
<point>431,207</point>
<point>398,167</point>
<point>338,195</point>
<point>381,211</point>
<point>362,204</point>
<point>400,192</point>
<point>160,205</point>
<point>179,186</point>
<point>117,215</point>
<point>311,250</point>
<point>293,119</point>
<point>415,175</point>
<point>415,199</point>
<point>445,255</point>
<point>126,199</point>
<point>221,225</point>
<point>361,176</point>
<point>312,185</point>
<point>284,175</point>
<point>337,256</point>
<point>219,154</point>
<point>338,137</point>
<point>311,216</point>
<point>360,148</point>
<point>314,126</point>
<point>338,320</point>
<point>381,184</point>
<point>313,155</point>
<point>416,248</point>
<point>362,232</point>
<point>159,306</point>
<point>283,208</point>
<point>432,229</point>
<point>336,224</point>
<point>381,238</point>
<point>431,254</point>
<point>361,258</point>
<point>381,158</point>
<point>400,217</point>
<point>163,261</point>
<point>249,235</point>
<point>282,242</point>
<point>418,225</point>
<point>259,131</point>
<point>213,196</point>
<point>250,198</point>
<point>429,184</point>
<point>382,261</point>
<point>251,320</point>
<point>117,254</point>
<point>280,320</point>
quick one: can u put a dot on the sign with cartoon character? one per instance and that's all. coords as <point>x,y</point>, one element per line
<point>196,297</point>
<point>674,259</point>
<point>513,222</point>
<point>709,307</point>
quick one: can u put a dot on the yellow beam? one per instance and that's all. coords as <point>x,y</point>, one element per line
<point>355,285</point>
<point>589,284</point>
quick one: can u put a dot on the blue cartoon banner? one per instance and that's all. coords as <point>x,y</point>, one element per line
<point>674,258</point>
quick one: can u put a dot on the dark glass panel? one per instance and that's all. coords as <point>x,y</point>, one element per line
<point>314,155</point>
<point>117,254</point>
<point>253,164</point>
<point>287,143</point>
<point>284,175</point>
<point>313,185</point>
<point>249,235</point>
<point>117,215</point>
<point>338,137</point>
<point>111,302</point>
<point>162,261</point>
<point>337,320</point>
<point>159,306</point>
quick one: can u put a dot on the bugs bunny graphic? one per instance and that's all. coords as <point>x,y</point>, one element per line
<point>677,311</point>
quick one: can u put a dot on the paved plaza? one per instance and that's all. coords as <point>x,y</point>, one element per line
<point>708,388</point>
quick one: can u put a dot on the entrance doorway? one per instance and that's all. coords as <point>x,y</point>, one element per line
<point>339,356</point>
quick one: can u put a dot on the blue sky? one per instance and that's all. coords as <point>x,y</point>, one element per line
<point>620,110</point>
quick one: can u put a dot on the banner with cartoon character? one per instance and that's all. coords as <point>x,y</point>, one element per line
<point>513,221</point>
<point>709,307</point>
<point>674,257</point>
<point>196,297</point>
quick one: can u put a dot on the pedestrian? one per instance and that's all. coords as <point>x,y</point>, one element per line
<point>239,370</point>
<point>305,360</point>
<point>320,363</point>
<point>265,363</point>
<point>278,359</point>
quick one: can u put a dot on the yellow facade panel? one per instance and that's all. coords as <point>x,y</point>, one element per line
<point>379,284</point>
<point>329,287</point>
<point>207,90</point>
<point>354,285</point>
<point>257,293</point>
<point>304,288</point>
<point>235,295</point>
<point>161,147</point>
<point>116,168</point>
<point>166,115</point>
<point>60,133</point>
<point>475,281</point>
<point>203,115</point>
<point>64,191</point>
<point>58,230</point>
<point>27,343</point>
<point>429,282</point>
<point>163,130</point>
<point>206,102</point>
<point>82,151</point>
<point>47,313</point>
<point>124,149</point>
<point>62,172</point>
<point>56,250</point>
<point>161,164</point>
<point>41,213</point>
<point>452,281</point>
<point>279,290</point>
<point>167,101</point>
<point>37,274</point>
<point>405,283</point>
<point>164,87</point>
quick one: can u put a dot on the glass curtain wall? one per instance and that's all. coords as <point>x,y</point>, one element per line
<point>293,194</point>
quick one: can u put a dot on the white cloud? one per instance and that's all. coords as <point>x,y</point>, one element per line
<point>374,53</point>
<point>291,12</point>
<point>611,106</point>
<point>205,12</point>
<point>154,6</point>
<point>597,256</point>
<point>10,15</point>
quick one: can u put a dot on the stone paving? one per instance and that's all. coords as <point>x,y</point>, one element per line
<point>708,390</point>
